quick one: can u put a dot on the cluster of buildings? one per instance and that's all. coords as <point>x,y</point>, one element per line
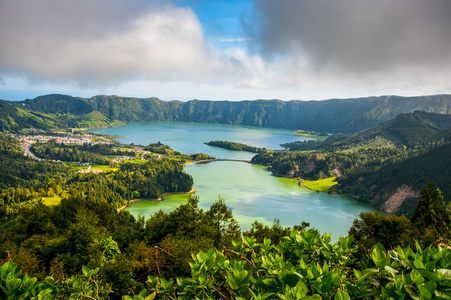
<point>28,140</point>
<point>121,158</point>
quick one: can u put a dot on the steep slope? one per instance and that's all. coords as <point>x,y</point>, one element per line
<point>335,115</point>
<point>14,119</point>
<point>410,130</point>
<point>395,186</point>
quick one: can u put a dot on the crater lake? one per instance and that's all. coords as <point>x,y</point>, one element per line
<point>252,191</point>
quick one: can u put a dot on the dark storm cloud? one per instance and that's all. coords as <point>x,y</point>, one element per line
<point>356,35</point>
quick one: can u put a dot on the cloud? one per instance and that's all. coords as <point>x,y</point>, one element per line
<point>2,81</point>
<point>297,49</point>
<point>235,40</point>
<point>102,42</point>
<point>355,36</point>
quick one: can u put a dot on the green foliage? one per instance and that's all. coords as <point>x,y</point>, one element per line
<point>316,165</point>
<point>372,228</point>
<point>19,171</point>
<point>306,265</point>
<point>15,120</point>
<point>94,154</point>
<point>345,115</point>
<point>413,130</point>
<point>380,183</point>
<point>236,146</point>
<point>110,249</point>
<point>159,148</point>
<point>14,285</point>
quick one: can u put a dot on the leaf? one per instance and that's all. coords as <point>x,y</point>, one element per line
<point>418,264</point>
<point>151,296</point>
<point>416,277</point>
<point>342,295</point>
<point>366,273</point>
<point>424,292</point>
<point>49,280</point>
<point>379,256</point>
<point>391,270</point>
<point>86,270</point>
<point>13,284</point>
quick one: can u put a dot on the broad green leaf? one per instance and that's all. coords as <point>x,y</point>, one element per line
<point>151,296</point>
<point>13,285</point>
<point>424,292</point>
<point>379,256</point>
<point>416,277</point>
<point>86,270</point>
<point>418,264</point>
<point>342,295</point>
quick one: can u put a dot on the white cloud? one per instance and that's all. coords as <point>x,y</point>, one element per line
<point>299,49</point>
<point>159,42</point>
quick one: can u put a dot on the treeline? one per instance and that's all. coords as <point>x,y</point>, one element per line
<point>235,146</point>
<point>335,115</point>
<point>317,165</point>
<point>13,119</point>
<point>94,154</point>
<point>22,172</point>
<point>159,148</point>
<point>90,249</point>
<point>414,131</point>
<point>376,185</point>
<point>23,179</point>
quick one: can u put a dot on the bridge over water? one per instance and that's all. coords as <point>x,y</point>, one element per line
<point>221,159</point>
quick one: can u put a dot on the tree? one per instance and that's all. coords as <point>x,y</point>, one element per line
<point>430,215</point>
<point>372,228</point>
<point>225,227</point>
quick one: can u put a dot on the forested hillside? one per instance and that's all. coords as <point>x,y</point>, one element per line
<point>14,119</point>
<point>412,130</point>
<point>335,115</point>
<point>386,165</point>
<point>395,186</point>
<point>84,246</point>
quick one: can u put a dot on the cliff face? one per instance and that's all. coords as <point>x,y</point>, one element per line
<point>335,115</point>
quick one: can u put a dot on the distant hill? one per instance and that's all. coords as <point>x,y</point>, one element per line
<point>411,130</point>
<point>335,115</point>
<point>57,104</point>
<point>14,119</point>
<point>395,187</point>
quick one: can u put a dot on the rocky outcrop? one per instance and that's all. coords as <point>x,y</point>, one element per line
<point>396,200</point>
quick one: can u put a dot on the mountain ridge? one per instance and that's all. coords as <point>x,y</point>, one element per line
<point>332,116</point>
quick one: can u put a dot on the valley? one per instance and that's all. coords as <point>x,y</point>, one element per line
<point>62,204</point>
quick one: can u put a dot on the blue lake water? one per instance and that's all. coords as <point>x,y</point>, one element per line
<point>250,190</point>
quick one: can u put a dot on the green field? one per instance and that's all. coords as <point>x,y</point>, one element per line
<point>321,185</point>
<point>309,134</point>
<point>103,168</point>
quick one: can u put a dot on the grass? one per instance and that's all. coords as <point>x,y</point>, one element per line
<point>312,135</point>
<point>102,168</point>
<point>321,185</point>
<point>51,201</point>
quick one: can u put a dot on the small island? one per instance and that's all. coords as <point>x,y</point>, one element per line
<point>236,146</point>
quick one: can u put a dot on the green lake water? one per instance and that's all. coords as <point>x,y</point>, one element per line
<point>251,191</point>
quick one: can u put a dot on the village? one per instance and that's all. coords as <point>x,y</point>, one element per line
<point>28,140</point>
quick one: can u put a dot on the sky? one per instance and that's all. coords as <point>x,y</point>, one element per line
<point>225,50</point>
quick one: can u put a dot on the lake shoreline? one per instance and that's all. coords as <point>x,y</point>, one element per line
<point>161,198</point>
